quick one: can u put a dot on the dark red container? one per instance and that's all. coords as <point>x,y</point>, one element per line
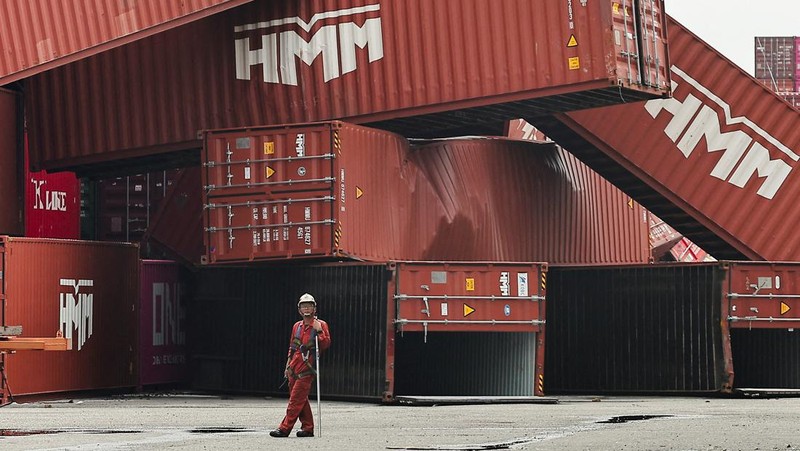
<point>418,68</point>
<point>775,57</point>
<point>10,201</point>
<point>52,203</point>
<point>177,226</point>
<point>88,291</point>
<point>688,252</point>
<point>718,161</point>
<point>662,236</point>
<point>162,323</point>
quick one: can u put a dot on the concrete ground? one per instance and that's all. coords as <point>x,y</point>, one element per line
<point>188,422</point>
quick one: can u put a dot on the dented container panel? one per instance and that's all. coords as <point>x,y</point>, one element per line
<point>360,62</point>
<point>87,291</point>
<point>720,153</point>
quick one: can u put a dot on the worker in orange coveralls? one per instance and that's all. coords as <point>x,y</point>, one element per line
<point>301,367</point>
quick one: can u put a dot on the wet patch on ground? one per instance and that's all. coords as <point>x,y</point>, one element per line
<point>627,418</point>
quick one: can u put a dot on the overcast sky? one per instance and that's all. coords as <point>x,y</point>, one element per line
<point>730,26</point>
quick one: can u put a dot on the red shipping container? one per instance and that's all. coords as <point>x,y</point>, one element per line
<point>162,323</point>
<point>88,291</point>
<point>775,57</point>
<point>10,201</point>
<point>717,161</point>
<point>421,68</point>
<point>315,190</point>
<point>662,236</point>
<point>779,85</point>
<point>688,252</point>
<point>523,130</point>
<point>52,203</point>
<point>349,191</point>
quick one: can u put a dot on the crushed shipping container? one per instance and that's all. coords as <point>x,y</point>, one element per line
<point>398,328</point>
<point>88,292</point>
<point>717,161</point>
<point>419,68</point>
<point>338,190</point>
<point>673,328</point>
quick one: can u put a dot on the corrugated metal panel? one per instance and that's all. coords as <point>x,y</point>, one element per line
<point>356,301</point>
<point>426,69</point>
<point>321,193</point>
<point>766,358</point>
<point>10,201</point>
<point>52,203</point>
<point>543,202</point>
<point>447,200</point>
<point>466,364</point>
<point>657,152</point>
<point>162,323</point>
<point>86,290</point>
<point>636,329</point>
<point>775,57</point>
<point>177,225</point>
<point>38,35</point>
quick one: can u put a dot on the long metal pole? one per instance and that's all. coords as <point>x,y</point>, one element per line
<point>319,404</point>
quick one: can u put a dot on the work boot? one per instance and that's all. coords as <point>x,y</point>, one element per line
<point>279,433</point>
<point>305,433</point>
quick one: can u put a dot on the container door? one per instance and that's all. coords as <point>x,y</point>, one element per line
<point>764,295</point>
<point>639,36</point>
<point>469,297</point>
<point>269,193</point>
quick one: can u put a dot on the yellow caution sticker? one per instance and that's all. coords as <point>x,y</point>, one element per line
<point>630,203</point>
<point>572,41</point>
<point>269,148</point>
<point>470,284</point>
<point>574,63</point>
<point>468,310</point>
<point>269,171</point>
<point>615,8</point>
<point>359,193</point>
<point>784,308</point>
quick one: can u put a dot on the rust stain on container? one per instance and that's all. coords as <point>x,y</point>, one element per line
<point>85,290</point>
<point>411,66</point>
<point>718,161</point>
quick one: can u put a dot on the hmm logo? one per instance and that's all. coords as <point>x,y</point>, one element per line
<point>335,44</point>
<point>169,315</point>
<point>744,151</point>
<point>76,310</point>
<point>53,200</point>
<point>505,283</point>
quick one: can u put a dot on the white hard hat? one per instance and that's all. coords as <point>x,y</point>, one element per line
<point>307,299</point>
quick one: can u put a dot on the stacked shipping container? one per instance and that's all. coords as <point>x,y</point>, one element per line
<point>777,63</point>
<point>338,190</point>
<point>348,60</point>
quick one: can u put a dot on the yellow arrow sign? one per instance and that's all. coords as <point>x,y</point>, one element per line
<point>359,193</point>
<point>468,310</point>
<point>270,171</point>
<point>784,308</point>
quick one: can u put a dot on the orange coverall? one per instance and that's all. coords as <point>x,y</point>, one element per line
<point>301,362</point>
